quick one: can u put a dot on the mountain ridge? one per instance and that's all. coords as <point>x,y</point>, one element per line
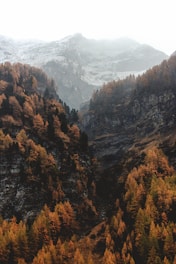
<point>79,65</point>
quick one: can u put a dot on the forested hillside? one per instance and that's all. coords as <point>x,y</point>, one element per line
<point>129,100</point>
<point>43,163</point>
<point>63,201</point>
<point>131,127</point>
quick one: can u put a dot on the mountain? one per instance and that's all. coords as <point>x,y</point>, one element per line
<point>124,112</point>
<point>64,202</point>
<point>79,65</point>
<point>131,126</point>
<point>130,115</point>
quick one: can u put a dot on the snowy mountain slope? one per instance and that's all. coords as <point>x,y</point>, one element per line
<point>79,65</point>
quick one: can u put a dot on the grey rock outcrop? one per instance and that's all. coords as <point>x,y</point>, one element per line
<point>18,197</point>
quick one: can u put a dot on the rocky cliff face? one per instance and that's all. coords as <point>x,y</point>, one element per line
<point>18,197</point>
<point>79,65</point>
<point>119,123</point>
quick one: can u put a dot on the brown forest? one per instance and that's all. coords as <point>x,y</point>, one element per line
<point>37,128</point>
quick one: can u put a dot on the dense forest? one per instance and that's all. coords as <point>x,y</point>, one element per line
<point>142,228</point>
<point>52,208</point>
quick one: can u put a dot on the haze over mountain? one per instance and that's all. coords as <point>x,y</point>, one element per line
<point>80,65</point>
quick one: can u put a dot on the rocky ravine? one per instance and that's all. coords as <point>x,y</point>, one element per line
<point>79,65</point>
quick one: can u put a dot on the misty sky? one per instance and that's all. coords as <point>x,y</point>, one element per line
<point>147,21</point>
